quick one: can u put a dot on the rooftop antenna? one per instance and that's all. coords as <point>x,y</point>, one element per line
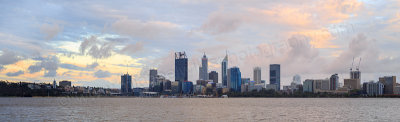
<point>358,67</point>
<point>127,66</point>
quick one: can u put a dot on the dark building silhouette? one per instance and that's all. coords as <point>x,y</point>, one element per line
<point>334,82</point>
<point>126,84</point>
<point>64,83</point>
<point>275,75</point>
<point>213,75</point>
<point>389,82</point>
<point>152,78</point>
<point>181,67</point>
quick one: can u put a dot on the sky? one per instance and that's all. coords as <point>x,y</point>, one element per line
<point>92,43</point>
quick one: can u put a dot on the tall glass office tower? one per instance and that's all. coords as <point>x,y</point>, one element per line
<point>181,67</point>
<point>224,66</point>
<point>275,75</point>
<point>236,79</point>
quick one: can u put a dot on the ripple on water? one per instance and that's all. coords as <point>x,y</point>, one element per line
<point>232,109</point>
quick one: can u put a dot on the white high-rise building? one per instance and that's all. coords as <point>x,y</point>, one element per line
<point>297,79</point>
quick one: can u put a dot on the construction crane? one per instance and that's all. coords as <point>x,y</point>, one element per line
<point>351,68</point>
<point>358,67</point>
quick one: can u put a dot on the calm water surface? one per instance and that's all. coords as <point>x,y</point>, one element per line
<point>197,109</point>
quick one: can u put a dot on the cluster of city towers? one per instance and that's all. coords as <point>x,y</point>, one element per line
<point>232,81</point>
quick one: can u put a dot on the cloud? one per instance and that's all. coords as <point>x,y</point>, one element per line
<point>132,48</point>
<point>104,51</point>
<point>88,67</point>
<point>295,50</point>
<point>9,57</point>
<point>67,73</point>
<point>12,74</point>
<point>372,60</point>
<point>102,74</point>
<point>2,67</point>
<point>50,30</point>
<point>146,30</point>
<point>26,46</point>
<point>98,50</point>
<point>93,65</point>
<point>35,68</point>
<point>223,22</point>
<point>73,67</point>
<point>49,64</point>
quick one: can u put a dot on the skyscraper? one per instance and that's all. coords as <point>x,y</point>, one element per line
<point>235,79</point>
<point>228,79</point>
<point>54,84</point>
<point>213,75</point>
<point>334,82</point>
<point>126,84</point>
<point>257,75</point>
<point>275,75</point>
<point>181,67</point>
<point>203,70</point>
<point>152,77</point>
<point>224,66</point>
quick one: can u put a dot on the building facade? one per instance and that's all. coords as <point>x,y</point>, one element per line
<point>152,77</point>
<point>187,87</point>
<point>373,88</point>
<point>352,83</point>
<point>126,84</point>
<point>334,82</point>
<point>308,86</point>
<point>275,75</point>
<point>257,75</point>
<point>64,84</point>
<point>390,84</point>
<point>181,67</point>
<point>203,70</point>
<point>213,75</point>
<point>235,79</point>
<point>355,74</point>
<point>224,69</point>
<point>245,80</point>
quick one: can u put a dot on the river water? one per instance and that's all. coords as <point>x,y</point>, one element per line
<point>199,109</point>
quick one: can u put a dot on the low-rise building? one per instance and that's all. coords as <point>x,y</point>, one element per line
<point>373,88</point>
<point>272,86</point>
<point>64,83</point>
<point>352,83</point>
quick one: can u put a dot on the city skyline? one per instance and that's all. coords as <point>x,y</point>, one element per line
<point>93,44</point>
